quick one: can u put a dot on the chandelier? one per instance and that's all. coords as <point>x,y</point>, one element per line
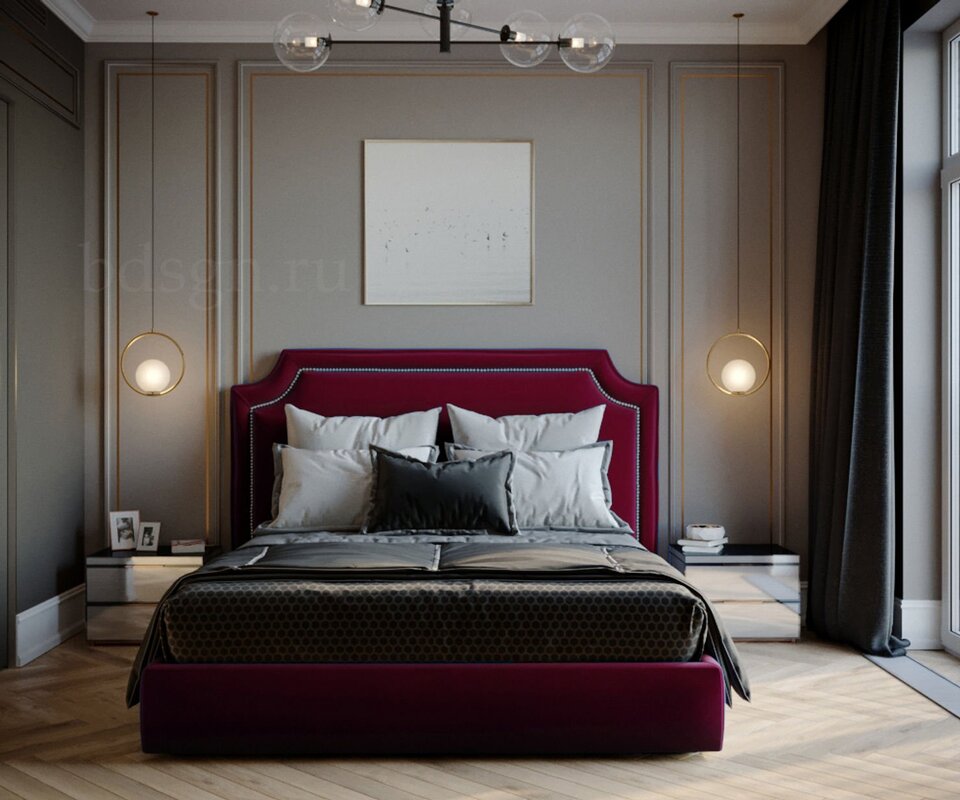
<point>585,42</point>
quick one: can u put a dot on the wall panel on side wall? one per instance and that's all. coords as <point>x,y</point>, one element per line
<point>176,434</point>
<point>46,340</point>
<point>727,451</point>
<point>7,553</point>
<point>34,67</point>
<point>300,223</point>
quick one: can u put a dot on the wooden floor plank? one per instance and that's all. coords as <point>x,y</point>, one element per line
<point>461,787</point>
<point>253,778</point>
<point>26,786</point>
<point>361,784</point>
<point>120,785</point>
<point>386,773</point>
<point>60,779</point>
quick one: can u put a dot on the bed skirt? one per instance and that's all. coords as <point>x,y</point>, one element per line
<point>432,709</point>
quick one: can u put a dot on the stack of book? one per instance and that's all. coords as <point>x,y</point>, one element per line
<point>186,546</point>
<point>703,540</point>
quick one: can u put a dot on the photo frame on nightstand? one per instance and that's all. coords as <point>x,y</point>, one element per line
<point>124,527</point>
<point>148,537</point>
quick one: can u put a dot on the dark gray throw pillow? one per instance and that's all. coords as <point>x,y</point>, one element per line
<point>454,495</point>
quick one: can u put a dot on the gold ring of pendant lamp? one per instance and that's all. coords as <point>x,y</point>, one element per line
<point>135,383</point>
<point>736,371</point>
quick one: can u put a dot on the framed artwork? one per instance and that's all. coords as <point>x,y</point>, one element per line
<point>124,526</point>
<point>448,222</point>
<point>148,537</point>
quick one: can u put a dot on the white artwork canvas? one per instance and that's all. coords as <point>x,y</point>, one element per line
<point>448,223</point>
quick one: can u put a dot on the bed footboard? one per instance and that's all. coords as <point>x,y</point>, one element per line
<point>435,709</point>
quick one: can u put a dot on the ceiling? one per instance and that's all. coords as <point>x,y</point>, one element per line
<point>634,21</point>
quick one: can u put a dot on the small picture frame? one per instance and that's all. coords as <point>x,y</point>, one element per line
<point>148,537</point>
<point>124,527</point>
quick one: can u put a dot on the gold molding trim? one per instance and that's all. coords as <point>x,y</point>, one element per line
<point>210,333</point>
<point>772,123</point>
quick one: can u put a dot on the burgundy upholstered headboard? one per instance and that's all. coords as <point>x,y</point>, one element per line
<point>494,382</point>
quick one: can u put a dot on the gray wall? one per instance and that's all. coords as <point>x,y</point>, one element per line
<point>604,261</point>
<point>44,333</point>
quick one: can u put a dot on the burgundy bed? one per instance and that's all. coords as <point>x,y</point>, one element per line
<point>396,708</point>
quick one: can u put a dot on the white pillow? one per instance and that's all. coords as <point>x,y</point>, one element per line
<point>428,452</point>
<point>558,488</point>
<point>309,431</point>
<point>526,431</point>
<point>329,489</point>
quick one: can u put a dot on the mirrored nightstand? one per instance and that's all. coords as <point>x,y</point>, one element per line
<point>755,588</point>
<point>123,589</point>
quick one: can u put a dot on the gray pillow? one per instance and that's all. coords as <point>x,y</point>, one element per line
<point>559,488</point>
<point>409,494</point>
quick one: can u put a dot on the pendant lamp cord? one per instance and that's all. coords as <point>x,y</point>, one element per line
<point>738,17</point>
<point>153,170</point>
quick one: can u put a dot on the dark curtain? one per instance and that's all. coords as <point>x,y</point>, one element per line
<point>852,466</point>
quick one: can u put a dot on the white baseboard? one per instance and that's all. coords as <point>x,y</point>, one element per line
<point>918,621</point>
<point>50,623</point>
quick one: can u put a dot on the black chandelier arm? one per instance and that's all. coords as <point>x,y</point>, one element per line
<point>445,18</point>
<point>559,43</point>
<point>439,18</point>
<point>474,43</point>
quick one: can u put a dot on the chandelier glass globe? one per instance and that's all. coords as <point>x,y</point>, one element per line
<point>355,15</point>
<point>299,42</point>
<point>532,40</point>
<point>587,43</point>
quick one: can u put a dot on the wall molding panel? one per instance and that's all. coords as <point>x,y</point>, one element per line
<point>39,71</point>
<point>8,519</point>
<point>177,435</point>
<point>726,452</point>
<point>261,283</point>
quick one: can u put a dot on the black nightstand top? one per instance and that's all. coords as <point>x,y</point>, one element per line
<point>108,557</point>
<point>738,554</point>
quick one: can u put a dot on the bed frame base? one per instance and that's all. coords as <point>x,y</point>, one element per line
<point>432,709</point>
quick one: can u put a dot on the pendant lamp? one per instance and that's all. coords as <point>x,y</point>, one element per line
<point>152,362</point>
<point>738,363</point>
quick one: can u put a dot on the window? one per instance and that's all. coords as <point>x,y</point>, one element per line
<point>950,185</point>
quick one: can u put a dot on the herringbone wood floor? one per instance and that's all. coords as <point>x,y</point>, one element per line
<point>824,723</point>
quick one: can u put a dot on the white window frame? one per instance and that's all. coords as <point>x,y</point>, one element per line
<point>950,290</point>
